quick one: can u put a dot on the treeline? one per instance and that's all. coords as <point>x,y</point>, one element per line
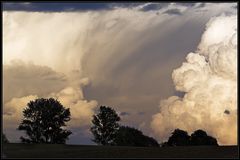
<point>44,121</point>
<point>181,138</point>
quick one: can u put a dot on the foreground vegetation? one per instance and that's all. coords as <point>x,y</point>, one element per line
<point>44,121</point>
<point>12,150</point>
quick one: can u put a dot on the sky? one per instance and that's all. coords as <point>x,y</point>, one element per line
<point>161,66</point>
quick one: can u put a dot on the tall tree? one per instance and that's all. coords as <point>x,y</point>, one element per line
<point>128,136</point>
<point>44,122</point>
<point>105,126</point>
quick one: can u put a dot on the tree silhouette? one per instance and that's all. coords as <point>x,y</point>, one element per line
<point>178,138</point>
<point>105,126</point>
<point>181,138</point>
<point>200,137</point>
<point>4,138</point>
<point>44,122</point>
<point>128,136</point>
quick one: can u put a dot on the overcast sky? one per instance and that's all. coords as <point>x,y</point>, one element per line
<point>90,54</point>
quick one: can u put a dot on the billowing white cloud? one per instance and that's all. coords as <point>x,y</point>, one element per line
<point>208,79</point>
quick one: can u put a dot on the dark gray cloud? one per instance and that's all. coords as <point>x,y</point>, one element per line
<point>54,6</point>
<point>81,6</point>
<point>125,5</point>
<point>189,4</point>
<point>154,6</point>
<point>174,11</point>
<point>90,6</point>
<point>64,6</point>
<point>227,111</point>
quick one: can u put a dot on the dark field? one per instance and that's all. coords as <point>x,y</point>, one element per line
<point>84,151</point>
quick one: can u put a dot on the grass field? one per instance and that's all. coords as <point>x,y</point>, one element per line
<point>84,151</point>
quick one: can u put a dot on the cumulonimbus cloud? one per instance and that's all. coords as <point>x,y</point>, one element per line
<point>50,48</point>
<point>66,47</point>
<point>208,79</point>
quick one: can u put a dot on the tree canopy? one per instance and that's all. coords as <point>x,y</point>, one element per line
<point>105,126</point>
<point>127,136</point>
<point>44,122</point>
<point>179,138</point>
<point>200,137</point>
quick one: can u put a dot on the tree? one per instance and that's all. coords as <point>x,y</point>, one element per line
<point>105,126</point>
<point>178,138</point>
<point>200,137</point>
<point>4,139</point>
<point>44,122</point>
<point>128,136</point>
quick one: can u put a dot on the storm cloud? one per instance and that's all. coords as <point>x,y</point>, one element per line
<point>121,57</point>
